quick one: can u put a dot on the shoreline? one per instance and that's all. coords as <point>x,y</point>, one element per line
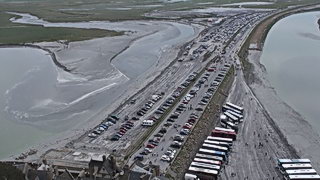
<point>294,128</point>
<point>27,45</point>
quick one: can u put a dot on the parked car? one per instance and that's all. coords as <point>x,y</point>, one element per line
<point>139,158</point>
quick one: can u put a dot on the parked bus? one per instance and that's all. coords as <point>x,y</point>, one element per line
<point>227,108</point>
<point>232,118</point>
<point>202,173</point>
<point>201,160</point>
<point>228,124</point>
<point>293,161</point>
<point>233,106</point>
<point>224,144</point>
<point>189,176</point>
<point>213,153</point>
<point>239,116</point>
<point>210,157</point>
<point>224,134</point>
<point>215,148</point>
<point>301,172</point>
<point>220,139</point>
<point>224,129</point>
<point>285,167</point>
<point>303,177</point>
<point>205,165</point>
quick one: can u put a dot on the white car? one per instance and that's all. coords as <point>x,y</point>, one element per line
<point>148,150</point>
<point>165,158</point>
<point>92,135</point>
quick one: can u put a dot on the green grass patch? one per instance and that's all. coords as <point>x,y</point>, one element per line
<point>30,34</point>
<point>13,33</point>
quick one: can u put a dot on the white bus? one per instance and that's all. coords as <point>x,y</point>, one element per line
<point>213,153</point>
<point>232,118</point>
<point>204,165</point>
<point>285,167</point>
<point>224,129</point>
<point>301,172</point>
<point>239,116</point>
<point>227,108</point>
<point>201,160</point>
<point>189,176</point>
<point>203,173</point>
<point>210,157</point>
<point>303,177</point>
<point>293,161</point>
<point>215,147</point>
<point>233,106</point>
<point>228,124</point>
<point>224,144</point>
<point>220,139</point>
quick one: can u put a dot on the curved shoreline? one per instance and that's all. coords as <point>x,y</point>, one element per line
<point>52,54</point>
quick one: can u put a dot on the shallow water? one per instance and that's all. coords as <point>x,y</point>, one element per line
<point>292,58</point>
<point>16,65</point>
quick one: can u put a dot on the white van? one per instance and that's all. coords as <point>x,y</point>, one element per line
<point>147,123</point>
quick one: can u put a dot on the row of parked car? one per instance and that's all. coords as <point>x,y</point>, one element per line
<point>178,139</point>
<point>169,102</point>
<point>186,128</point>
<point>104,126</point>
<point>153,142</point>
<point>129,124</point>
<point>148,105</point>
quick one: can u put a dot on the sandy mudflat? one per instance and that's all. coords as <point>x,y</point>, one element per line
<point>297,130</point>
<point>103,72</point>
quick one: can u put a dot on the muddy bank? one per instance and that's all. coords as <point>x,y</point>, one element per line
<point>294,127</point>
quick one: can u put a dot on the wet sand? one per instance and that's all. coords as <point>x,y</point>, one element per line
<point>95,86</point>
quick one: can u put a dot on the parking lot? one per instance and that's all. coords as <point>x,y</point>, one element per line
<point>162,145</point>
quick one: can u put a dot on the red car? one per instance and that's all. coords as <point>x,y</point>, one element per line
<point>150,146</point>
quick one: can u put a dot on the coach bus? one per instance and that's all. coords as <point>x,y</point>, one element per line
<point>232,118</point>
<point>224,129</point>
<point>213,153</point>
<point>293,161</point>
<point>219,143</point>
<point>285,167</point>
<point>202,173</point>
<point>189,176</point>
<point>239,116</point>
<point>224,134</point>
<point>227,108</point>
<point>201,160</point>
<point>215,147</point>
<point>303,177</point>
<point>210,157</point>
<point>228,124</point>
<point>233,106</point>
<point>205,165</point>
<point>220,139</point>
<point>301,172</point>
